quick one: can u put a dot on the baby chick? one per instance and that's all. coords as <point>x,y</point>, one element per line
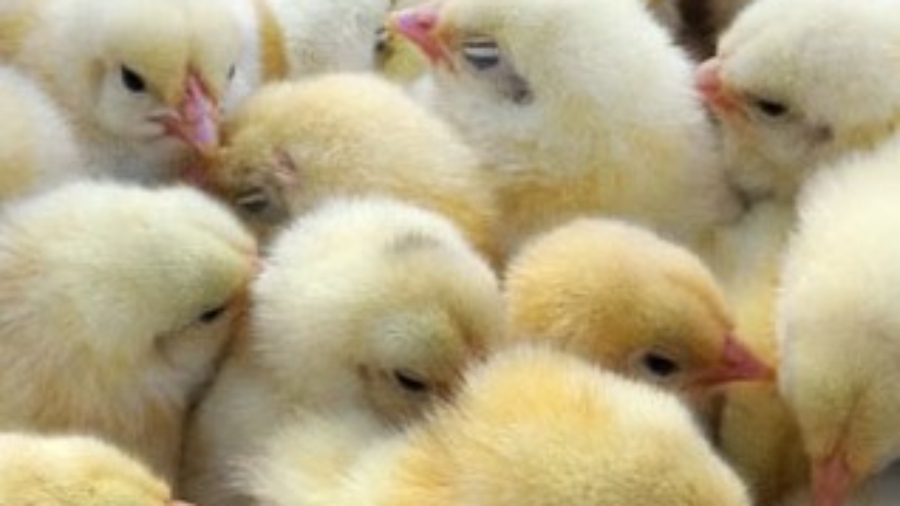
<point>290,39</point>
<point>117,301</point>
<point>37,149</point>
<point>839,329</point>
<point>369,304</point>
<point>73,471</point>
<point>577,107</point>
<point>142,81</point>
<point>779,86</point>
<point>530,426</point>
<point>292,145</point>
<point>623,297</point>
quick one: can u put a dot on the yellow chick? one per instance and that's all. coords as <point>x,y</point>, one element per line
<point>293,145</point>
<point>117,302</point>
<point>37,149</point>
<point>839,331</point>
<point>363,304</point>
<point>799,83</point>
<point>532,427</point>
<point>74,471</point>
<point>623,297</point>
<point>290,39</point>
<point>576,107</point>
<point>141,81</point>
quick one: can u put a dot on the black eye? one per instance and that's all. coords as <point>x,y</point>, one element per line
<point>659,365</point>
<point>481,54</point>
<point>212,315</point>
<point>382,40</point>
<point>410,382</point>
<point>133,81</point>
<point>770,108</point>
<point>253,201</point>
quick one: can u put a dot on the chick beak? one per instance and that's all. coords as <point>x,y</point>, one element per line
<point>832,481</point>
<point>708,81</point>
<point>419,26</point>
<point>180,503</point>
<point>197,119</point>
<point>736,363</point>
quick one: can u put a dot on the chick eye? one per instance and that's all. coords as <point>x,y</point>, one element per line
<point>212,315</point>
<point>132,80</point>
<point>659,365</point>
<point>382,40</point>
<point>410,381</point>
<point>770,108</point>
<point>253,201</point>
<point>482,54</point>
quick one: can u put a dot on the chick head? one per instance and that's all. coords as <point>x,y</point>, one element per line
<point>623,297</point>
<point>293,145</point>
<point>839,330</point>
<point>545,79</point>
<point>796,83</point>
<point>125,274</point>
<point>537,427</point>
<point>154,71</point>
<point>74,471</point>
<point>382,302</point>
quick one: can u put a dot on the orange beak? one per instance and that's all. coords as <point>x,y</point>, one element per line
<point>832,481</point>
<point>419,26</point>
<point>708,81</point>
<point>197,119</point>
<point>736,363</point>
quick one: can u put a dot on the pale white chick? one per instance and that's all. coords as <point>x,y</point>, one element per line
<point>576,107</point>
<point>141,81</point>
<point>530,426</point>
<point>838,325</point>
<point>74,471</point>
<point>291,39</point>
<point>117,302</point>
<point>37,148</point>
<point>370,305</point>
<point>796,83</point>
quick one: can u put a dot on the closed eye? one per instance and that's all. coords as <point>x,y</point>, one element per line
<point>253,201</point>
<point>482,54</point>
<point>770,108</point>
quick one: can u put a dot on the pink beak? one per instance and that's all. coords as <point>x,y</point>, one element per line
<point>708,81</point>
<point>197,120</point>
<point>737,363</point>
<point>832,481</point>
<point>418,24</point>
<point>180,503</point>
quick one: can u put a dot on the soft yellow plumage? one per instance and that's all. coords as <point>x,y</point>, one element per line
<point>530,427</point>
<point>369,305</point>
<point>117,302</point>
<point>73,471</point>
<point>294,145</point>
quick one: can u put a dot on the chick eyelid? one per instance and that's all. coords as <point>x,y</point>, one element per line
<point>253,201</point>
<point>482,54</point>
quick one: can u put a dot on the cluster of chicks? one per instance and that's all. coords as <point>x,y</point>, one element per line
<point>464,252</point>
